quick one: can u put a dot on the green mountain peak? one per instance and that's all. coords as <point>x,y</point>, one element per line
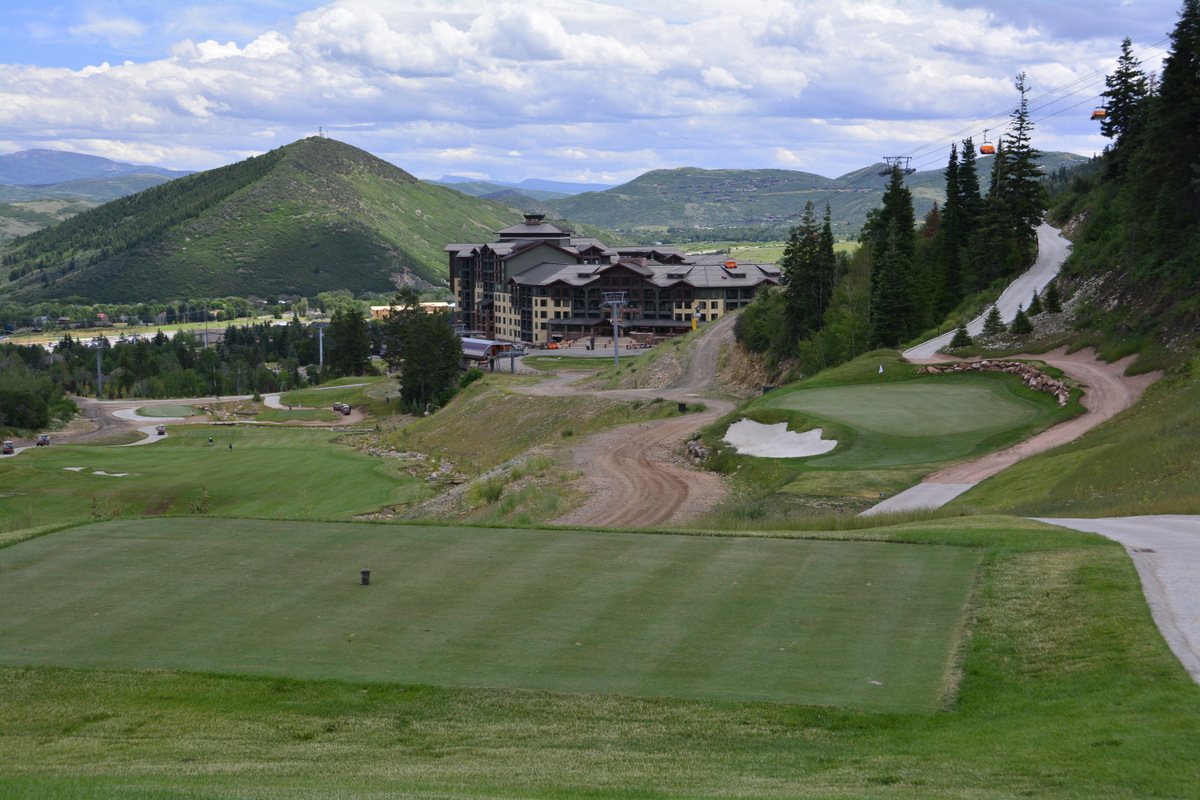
<point>315,215</point>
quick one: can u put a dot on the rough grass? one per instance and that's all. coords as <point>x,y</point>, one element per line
<point>486,425</point>
<point>1065,690</point>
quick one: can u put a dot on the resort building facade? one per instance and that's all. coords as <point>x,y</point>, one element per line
<point>537,283</point>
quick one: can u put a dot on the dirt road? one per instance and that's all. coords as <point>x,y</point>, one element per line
<point>632,474</point>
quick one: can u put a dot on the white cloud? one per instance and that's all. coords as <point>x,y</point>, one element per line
<point>721,78</point>
<point>562,87</point>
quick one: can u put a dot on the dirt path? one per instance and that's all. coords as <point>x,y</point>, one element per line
<point>105,419</point>
<point>632,474</point>
<point>1107,392</point>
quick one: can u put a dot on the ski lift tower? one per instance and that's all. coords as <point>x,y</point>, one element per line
<point>897,162</point>
<point>617,301</point>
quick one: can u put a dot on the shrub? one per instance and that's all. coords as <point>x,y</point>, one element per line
<point>1053,301</point>
<point>993,324</point>
<point>1020,324</point>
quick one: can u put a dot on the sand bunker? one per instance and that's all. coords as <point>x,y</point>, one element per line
<point>776,441</point>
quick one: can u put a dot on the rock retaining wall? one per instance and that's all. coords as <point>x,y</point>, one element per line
<point>1031,376</point>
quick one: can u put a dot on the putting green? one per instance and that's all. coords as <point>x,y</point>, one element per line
<point>870,625</point>
<point>918,421</point>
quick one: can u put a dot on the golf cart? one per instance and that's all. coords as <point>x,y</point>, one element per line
<point>162,430</point>
<point>9,448</point>
<point>43,440</point>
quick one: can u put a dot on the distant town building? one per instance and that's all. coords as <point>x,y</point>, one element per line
<point>381,313</point>
<point>538,283</point>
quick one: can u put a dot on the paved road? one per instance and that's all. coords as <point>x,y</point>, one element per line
<point>1052,251</point>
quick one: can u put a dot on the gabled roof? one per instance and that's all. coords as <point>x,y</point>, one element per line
<point>534,227</point>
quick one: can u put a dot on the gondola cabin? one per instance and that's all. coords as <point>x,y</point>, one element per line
<point>987,149</point>
<point>1100,113</point>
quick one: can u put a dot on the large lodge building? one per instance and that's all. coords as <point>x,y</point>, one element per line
<point>539,284</point>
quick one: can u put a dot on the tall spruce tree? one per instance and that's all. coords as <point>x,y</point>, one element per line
<point>970,198</point>
<point>890,233</point>
<point>947,252</point>
<point>891,289</point>
<point>1022,186</point>
<point>802,275</point>
<point>423,348</point>
<point>1004,240</point>
<point>1166,169</point>
<point>348,342</point>
<point>1125,98</point>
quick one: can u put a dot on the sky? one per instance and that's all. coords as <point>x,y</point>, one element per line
<point>590,91</point>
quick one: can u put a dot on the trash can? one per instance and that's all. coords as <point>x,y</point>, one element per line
<point>366,577</point>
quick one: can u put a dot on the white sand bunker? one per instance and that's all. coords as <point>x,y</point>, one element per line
<point>98,472</point>
<point>776,441</point>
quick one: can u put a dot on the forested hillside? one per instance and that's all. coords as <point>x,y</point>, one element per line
<point>1137,213</point>
<point>905,278</point>
<point>1133,214</point>
<point>316,215</point>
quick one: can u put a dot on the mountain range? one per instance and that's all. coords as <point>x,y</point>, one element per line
<point>701,198</point>
<point>40,167</point>
<point>318,215</point>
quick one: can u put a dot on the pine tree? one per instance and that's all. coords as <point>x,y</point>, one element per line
<point>1125,103</point>
<point>889,231</point>
<point>347,342</point>
<point>993,324</point>
<point>1022,184</point>
<point>803,276</point>
<point>949,237</point>
<point>1166,167</point>
<point>891,290</point>
<point>1052,300</point>
<point>423,348</point>
<point>970,199</point>
<point>961,337</point>
<point>1035,305</point>
<point>1020,324</point>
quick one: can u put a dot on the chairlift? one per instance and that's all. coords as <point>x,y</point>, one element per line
<point>1100,113</point>
<point>986,149</point>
